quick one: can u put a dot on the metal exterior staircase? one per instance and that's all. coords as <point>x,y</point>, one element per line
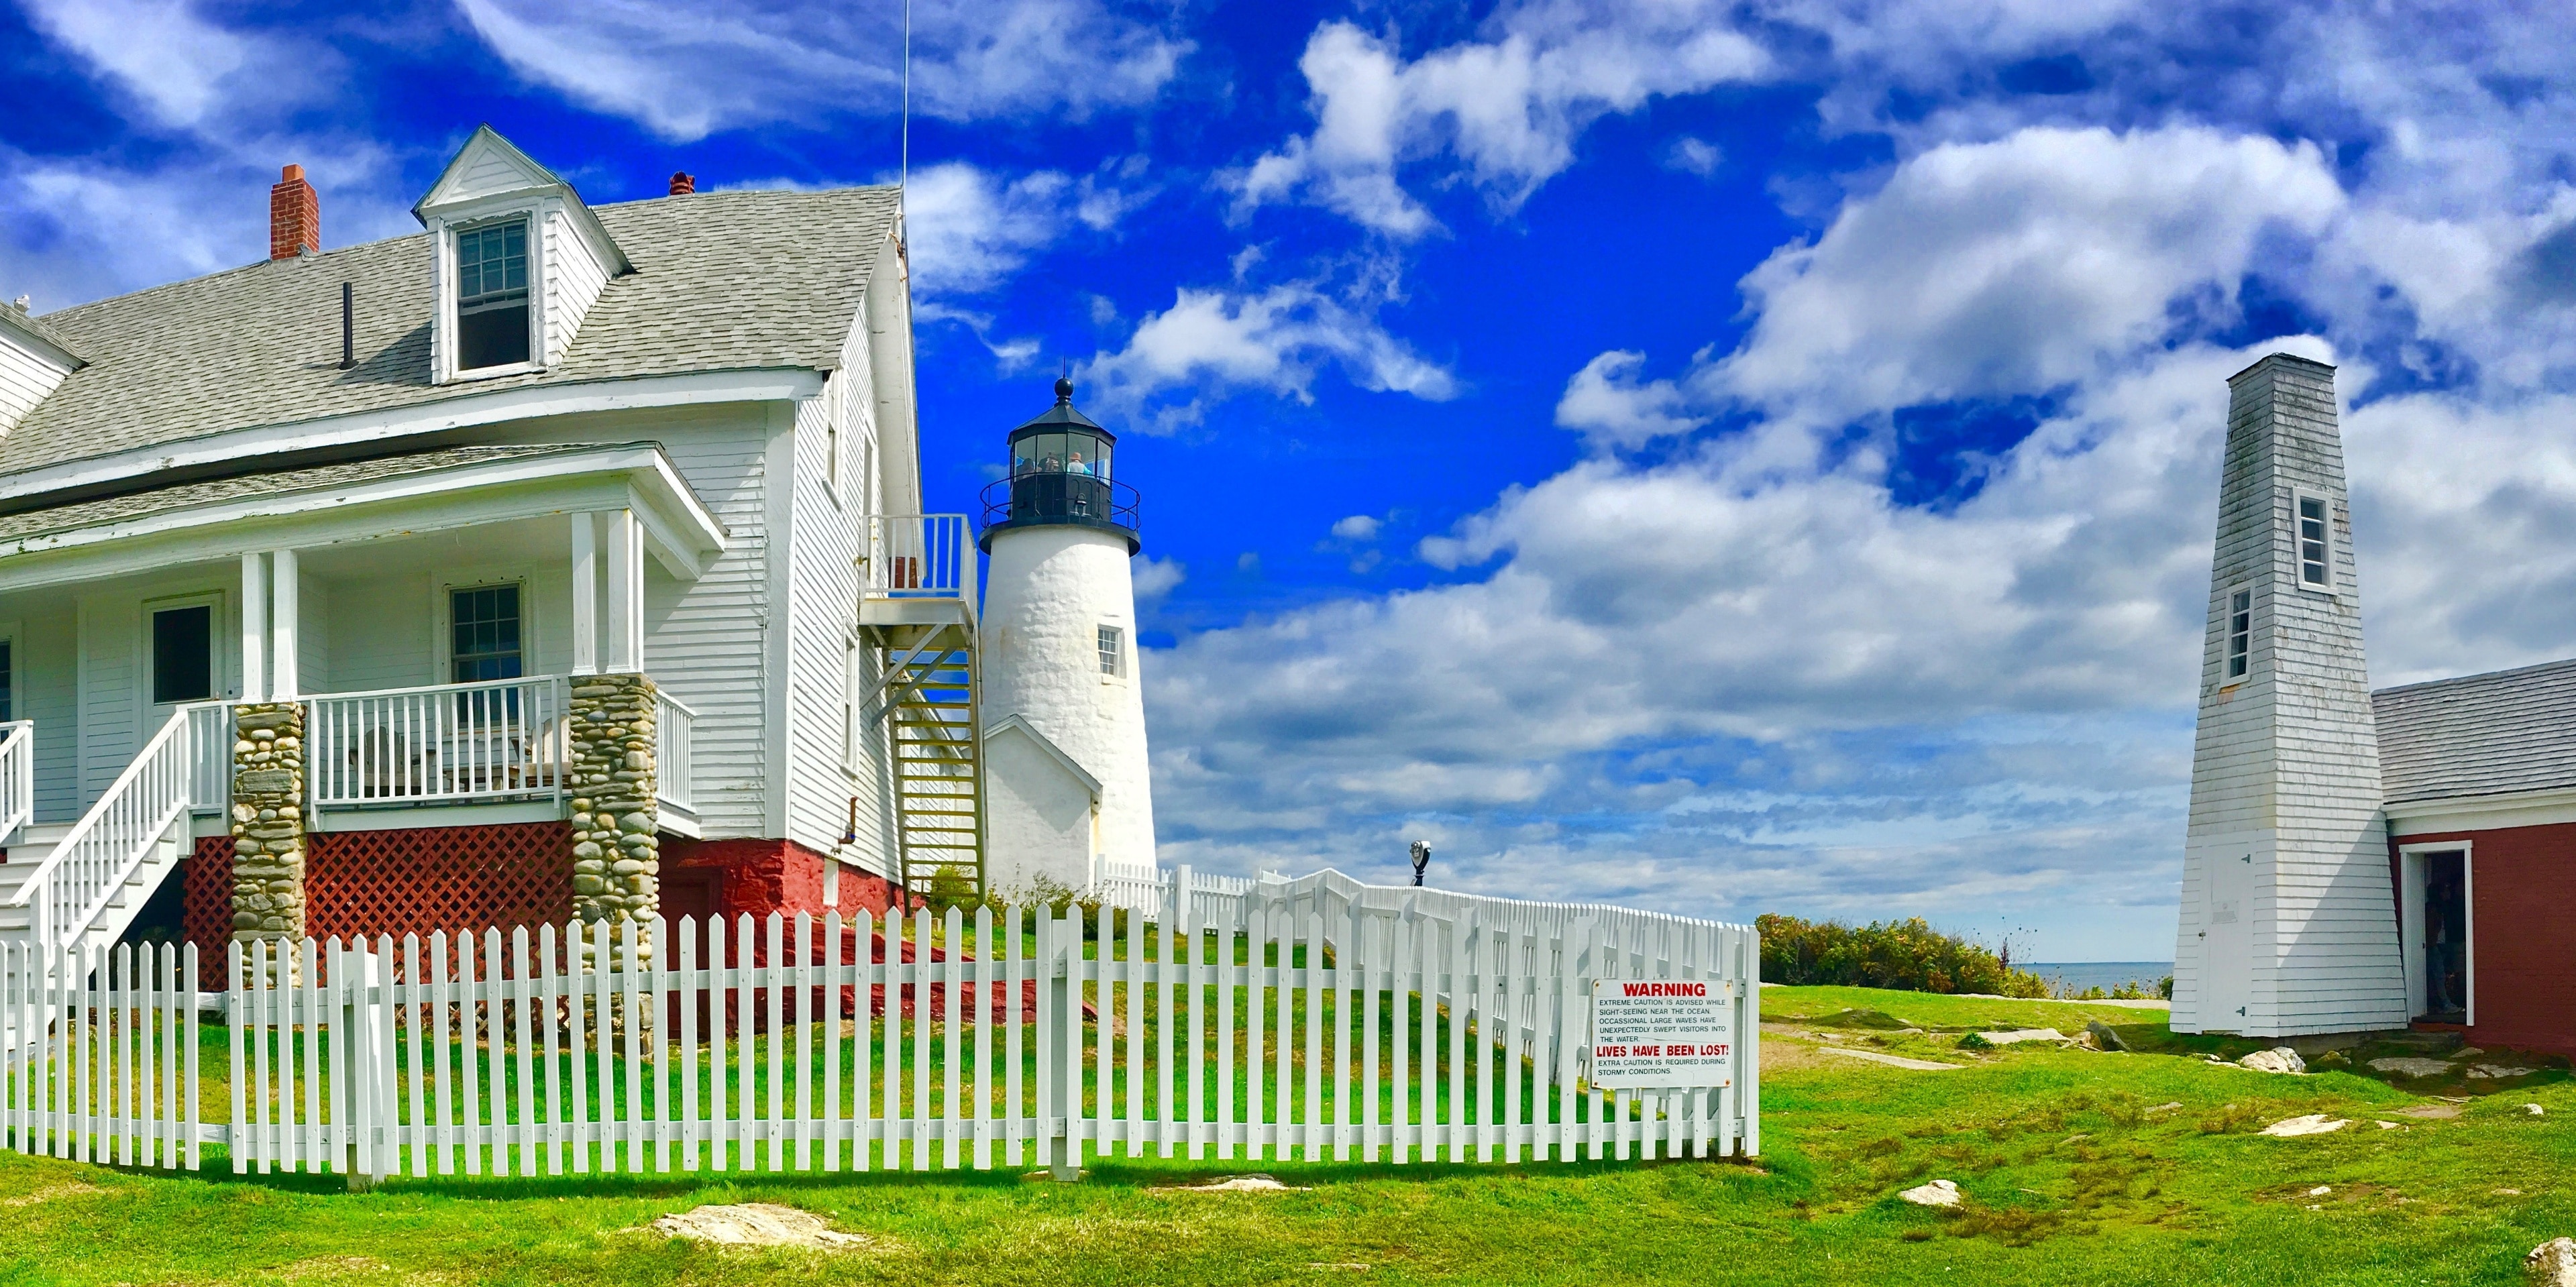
<point>96,874</point>
<point>931,701</point>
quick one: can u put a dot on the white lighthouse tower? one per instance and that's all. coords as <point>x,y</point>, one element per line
<point>1064,720</point>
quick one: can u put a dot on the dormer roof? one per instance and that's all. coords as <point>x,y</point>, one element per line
<point>490,173</point>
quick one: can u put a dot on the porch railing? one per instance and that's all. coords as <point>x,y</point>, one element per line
<point>17,776</point>
<point>919,556</point>
<point>673,726</point>
<point>210,756</point>
<point>447,742</point>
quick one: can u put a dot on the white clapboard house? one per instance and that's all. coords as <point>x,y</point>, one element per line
<point>553,560</point>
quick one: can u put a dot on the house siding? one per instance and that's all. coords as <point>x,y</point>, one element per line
<point>45,688</point>
<point>574,277</point>
<point>2286,762</point>
<point>26,376</point>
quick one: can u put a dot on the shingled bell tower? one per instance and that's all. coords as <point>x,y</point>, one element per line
<point>2287,924</point>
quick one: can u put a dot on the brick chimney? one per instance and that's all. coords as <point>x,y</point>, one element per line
<point>683,183</point>
<point>294,215</point>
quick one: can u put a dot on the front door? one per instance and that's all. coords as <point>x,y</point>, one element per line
<point>180,655</point>
<point>2227,921</point>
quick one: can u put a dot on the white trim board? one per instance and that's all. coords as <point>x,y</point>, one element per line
<point>2547,807</point>
<point>679,530</point>
<point>463,410</point>
<point>2410,912</point>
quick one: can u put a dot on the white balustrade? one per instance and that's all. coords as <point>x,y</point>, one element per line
<point>673,732</point>
<point>210,772</point>
<point>17,776</point>
<point>447,742</point>
<point>90,865</point>
<point>919,556</point>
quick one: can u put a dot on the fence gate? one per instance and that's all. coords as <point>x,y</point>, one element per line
<point>1317,1020</point>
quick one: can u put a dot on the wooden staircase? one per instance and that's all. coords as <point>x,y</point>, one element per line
<point>930,697</point>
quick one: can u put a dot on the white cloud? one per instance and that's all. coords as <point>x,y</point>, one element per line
<point>178,66</point>
<point>2017,266</point>
<point>1212,342</point>
<point>1610,406</point>
<point>688,71</point>
<point>1506,108</point>
<point>1154,578</point>
<point>969,229</point>
<point>1694,156</point>
<point>1357,527</point>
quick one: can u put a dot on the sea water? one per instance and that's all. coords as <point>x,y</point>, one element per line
<point>2075,976</point>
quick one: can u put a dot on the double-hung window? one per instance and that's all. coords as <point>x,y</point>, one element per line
<point>2315,538</point>
<point>492,295</point>
<point>484,639</point>
<point>1113,652</point>
<point>2240,634</point>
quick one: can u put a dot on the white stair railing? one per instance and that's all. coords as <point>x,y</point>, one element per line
<point>210,733</point>
<point>90,866</point>
<point>17,776</point>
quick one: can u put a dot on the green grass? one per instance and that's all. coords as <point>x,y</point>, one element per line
<point>2074,1168</point>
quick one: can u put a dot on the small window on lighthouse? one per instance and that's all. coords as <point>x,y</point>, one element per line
<point>1113,651</point>
<point>2316,568</point>
<point>2240,633</point>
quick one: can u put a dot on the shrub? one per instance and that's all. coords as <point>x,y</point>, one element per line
<point>1908,955</point>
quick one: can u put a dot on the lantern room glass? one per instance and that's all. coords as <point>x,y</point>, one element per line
<point>1071,451</point>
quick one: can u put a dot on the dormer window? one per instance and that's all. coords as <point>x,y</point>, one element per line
<point>492,295</point>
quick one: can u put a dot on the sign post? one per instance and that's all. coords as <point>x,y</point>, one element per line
<point>1658,1034</point>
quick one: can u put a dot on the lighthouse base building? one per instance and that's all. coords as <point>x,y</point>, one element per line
<point>2356,860</point>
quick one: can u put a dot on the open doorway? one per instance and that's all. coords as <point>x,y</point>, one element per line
<point>2439,933</point>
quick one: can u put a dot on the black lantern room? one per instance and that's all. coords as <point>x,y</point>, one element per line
<point>1061,476</point>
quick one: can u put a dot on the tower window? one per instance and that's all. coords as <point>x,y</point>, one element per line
<point>1113,651</point>
<point>2240,633</point>
<point>2316,568</point>
<point>492,295</point>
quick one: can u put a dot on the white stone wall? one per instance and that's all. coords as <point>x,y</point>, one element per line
<point>2285,767</point>
<point>1049,592</point>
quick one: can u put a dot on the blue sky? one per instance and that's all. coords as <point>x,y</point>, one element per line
<point>1727,457</point>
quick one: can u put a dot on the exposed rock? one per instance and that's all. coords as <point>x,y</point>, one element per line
<point>2467,1052</point>
<point>2410,1066</point>
<point>2103,1036</point>
<point>2019,1035</point>
<point>1892,1061</point>
<point>2430,1112</point>
<point>1938,1193</point>
<point>2535,1110</point>
<point>2552,1263</point>
<point>757,1224</point>
<point>1253,1183</point>
<point>2278,1059</point>
<point>2496,1072</point>
<point>2312,1124</point>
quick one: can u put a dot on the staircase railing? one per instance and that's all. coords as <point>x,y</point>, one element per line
<point>17,776</point>
<point>674,731</point>
<point>85,871</point>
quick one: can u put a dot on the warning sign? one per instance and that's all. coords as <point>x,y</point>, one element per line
<point>1657,1033</point>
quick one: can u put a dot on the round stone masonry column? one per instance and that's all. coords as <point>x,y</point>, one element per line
<point>611,778</point>
<point>268,821</point>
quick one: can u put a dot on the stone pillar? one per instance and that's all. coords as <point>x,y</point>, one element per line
<point>616,845</point>
<point>268,821</point>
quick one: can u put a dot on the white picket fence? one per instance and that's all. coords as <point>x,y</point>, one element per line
<point>1315,1030</point>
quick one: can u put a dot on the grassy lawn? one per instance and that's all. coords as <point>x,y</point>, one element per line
<point>2078,1168</point>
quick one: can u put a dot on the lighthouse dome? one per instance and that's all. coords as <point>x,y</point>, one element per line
<point>1061,473</point>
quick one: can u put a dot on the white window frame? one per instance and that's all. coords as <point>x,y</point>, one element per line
<point>2228,635</point>
<point>1117,652</point>
<point>2410,916</point>
<point>220,672</point>
<point>852,679</point>
<point>442,618</point>
<point>2299,496</point>
<point>534,215</point>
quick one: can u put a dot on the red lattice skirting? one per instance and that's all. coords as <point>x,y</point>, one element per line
<point>408,881</point>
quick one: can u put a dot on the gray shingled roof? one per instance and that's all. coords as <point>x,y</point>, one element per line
<point>723,281</point>
<point>65,518</point>
<point>2511,730</point>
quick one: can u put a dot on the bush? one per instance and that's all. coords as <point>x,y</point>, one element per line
<point>1908,954</point>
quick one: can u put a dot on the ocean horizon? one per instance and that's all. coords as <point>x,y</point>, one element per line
<point>2076,976</point>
